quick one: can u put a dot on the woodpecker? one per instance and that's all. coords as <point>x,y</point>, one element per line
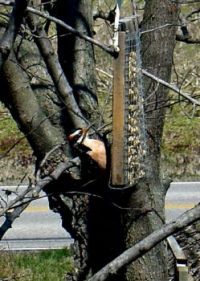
<point>92,147</point>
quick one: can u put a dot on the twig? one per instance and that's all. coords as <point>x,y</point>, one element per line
<point>157,28</point>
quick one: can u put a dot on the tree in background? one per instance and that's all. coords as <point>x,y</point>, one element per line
<point>50,88</point>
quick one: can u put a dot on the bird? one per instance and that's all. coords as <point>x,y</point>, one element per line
<point>92,147</point>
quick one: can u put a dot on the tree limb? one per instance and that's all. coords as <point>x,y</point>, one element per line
<point>51,59</point>
<point>147,244</point>
<point>173,88</point>
<point>73,30</point>
<point>192,13</point>
<point>40,132</point>
<point>104,47</point>
<point>11,31</point>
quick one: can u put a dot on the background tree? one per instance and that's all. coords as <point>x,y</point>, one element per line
<point>50,89</point>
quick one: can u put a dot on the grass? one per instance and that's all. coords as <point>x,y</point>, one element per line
<point>19,160</point>
<point>180,148</point>
<point>10,134</point>
<point>181,133</point>
<point>50,265</point>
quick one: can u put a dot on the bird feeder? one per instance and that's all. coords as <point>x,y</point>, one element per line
<point>128,131</point>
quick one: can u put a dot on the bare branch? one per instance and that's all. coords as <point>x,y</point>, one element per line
<point>193,13</point>
<point>73,30</point>
<point>104,47</point>
<point>30,194</point>
<point>147,244</point>
<point>51,59</point>
<point>157,28</point>
<point>182,38</point>
<point>10,34</point>
<point>173,88</point>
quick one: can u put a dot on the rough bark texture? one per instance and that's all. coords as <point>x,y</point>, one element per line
<point>78,54</point>
<point>189,240</point>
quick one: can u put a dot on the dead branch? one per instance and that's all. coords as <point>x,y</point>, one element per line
<point>147,244</point>
<point>11,31</point>
<point>186,2</point>
<point>164,83</point>
<point>157,28</point>
<point>173,88</point>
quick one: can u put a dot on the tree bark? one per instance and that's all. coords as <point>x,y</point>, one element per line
<point>78,54</point>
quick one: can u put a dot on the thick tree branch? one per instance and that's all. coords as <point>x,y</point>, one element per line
<point>147,244</point>
<point>51,59</point>
<point>11,31</point>
<point>26,110</point>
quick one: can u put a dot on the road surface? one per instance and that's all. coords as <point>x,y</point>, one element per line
<point>39,228</point>
<point>181,196</point>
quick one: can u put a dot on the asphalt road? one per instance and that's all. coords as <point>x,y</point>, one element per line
<point>39,228</point>
<point>36,228</point>
<point>181,196</point>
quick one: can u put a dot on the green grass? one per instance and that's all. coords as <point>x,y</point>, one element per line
<point>181,134</point>
<point>180,147</point>
<point>10,134</point>
<point>16,158</point>
<point>50,265</point>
